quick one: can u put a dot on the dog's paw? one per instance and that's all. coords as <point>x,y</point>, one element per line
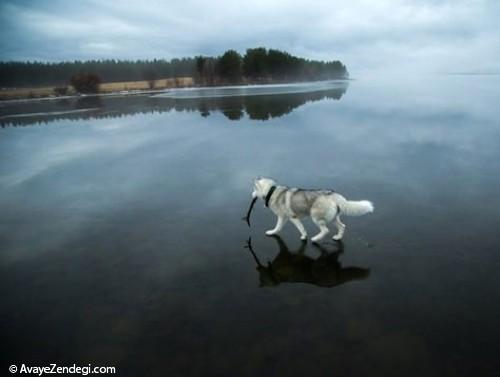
<point>304,238</point>
<point>270,233</point>
<point>336,237</point>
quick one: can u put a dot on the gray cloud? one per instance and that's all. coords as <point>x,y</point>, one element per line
<point>386,36</point>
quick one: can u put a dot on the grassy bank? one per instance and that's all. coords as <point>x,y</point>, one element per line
<point>104,88</point>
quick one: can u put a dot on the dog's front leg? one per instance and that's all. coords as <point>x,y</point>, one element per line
<point>279,225</point>
<point>300,227</point>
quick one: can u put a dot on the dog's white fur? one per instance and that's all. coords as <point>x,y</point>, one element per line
<point>326,207</point>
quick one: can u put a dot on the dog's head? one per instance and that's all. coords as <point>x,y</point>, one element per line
<point>261,186</point>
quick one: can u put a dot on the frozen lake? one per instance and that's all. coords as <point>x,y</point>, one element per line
<point>121,240</point>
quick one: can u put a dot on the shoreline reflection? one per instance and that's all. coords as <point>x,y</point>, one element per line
<point>256,107</point>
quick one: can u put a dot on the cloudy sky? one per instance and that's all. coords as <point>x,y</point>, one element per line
<point>370,37</point>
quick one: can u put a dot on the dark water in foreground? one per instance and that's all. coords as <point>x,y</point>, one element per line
<point>122,245</point>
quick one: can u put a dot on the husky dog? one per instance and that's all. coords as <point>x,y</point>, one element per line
<point>324,206</point>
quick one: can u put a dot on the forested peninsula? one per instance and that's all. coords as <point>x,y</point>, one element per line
<point>256,66</point>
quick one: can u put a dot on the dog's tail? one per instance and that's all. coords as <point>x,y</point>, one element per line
<point>354,208</point>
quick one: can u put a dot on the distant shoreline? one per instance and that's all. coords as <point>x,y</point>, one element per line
<point>121,88</point>
<point>472,73</point>
<point>104,88</point>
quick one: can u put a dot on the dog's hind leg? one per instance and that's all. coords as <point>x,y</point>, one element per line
<point>340,227</point>
<point>300,227</point>
<point>323,229</point>
<point>279,225</point>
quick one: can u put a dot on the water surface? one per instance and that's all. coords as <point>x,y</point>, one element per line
<point>121,240</point>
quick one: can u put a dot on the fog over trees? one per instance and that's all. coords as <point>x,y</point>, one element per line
<point>258,65</point>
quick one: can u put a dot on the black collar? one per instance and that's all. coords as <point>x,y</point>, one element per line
<point>269,193</point>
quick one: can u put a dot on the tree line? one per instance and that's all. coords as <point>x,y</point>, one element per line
<point>30,74</point>
<point>257,65</point>
<point>260,65</point>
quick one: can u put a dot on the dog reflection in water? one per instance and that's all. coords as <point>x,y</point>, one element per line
<point>296,267</point>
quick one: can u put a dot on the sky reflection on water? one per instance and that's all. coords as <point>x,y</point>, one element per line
<point>121,240</point>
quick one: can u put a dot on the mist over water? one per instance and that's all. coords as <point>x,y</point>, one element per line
<point>121,240</point>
